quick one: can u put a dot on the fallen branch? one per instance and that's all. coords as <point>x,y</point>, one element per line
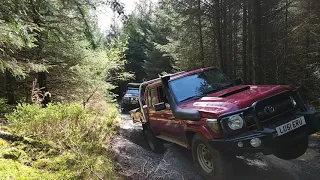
<point>144,167</point>
<point>88,99</point>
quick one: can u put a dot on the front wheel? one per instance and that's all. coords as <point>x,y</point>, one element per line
<point>210,163</point>
<point>292,151</point>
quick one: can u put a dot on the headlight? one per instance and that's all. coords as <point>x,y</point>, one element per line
<point>235,122</point>
<point>213,124</point>
<point>133,99</point>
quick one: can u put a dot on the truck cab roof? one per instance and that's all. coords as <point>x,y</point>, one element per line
<point>179,75</point>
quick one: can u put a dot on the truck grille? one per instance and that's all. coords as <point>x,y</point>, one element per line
<point>268,110</point>
<point>249,121</point>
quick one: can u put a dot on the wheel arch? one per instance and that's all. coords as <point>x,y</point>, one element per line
<point>189,137</point>
<point>189,133</point>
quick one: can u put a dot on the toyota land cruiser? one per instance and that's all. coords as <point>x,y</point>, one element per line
<point>204,111</point>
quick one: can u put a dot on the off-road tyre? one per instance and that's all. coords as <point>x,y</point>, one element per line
<point>292,151</point>
<point>221,163</point>
<point>155,144</point>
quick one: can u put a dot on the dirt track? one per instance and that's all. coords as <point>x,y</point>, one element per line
<point>136,161</point>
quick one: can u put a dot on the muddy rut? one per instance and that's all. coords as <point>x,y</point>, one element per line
<point>135,161</point>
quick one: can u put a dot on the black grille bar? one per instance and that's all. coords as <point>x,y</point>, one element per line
<point>281,103</point>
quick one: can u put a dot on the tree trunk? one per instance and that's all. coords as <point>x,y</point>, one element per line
<point>250,48</point>
<point>244,41</point>
<point>230,41</point>
<point>39,50</point>
<point>235,43</point>
<point>218,33</point>
<point>9,88</point>
<point>214,48</point>
<point>224,38</point>
<point>200,34</point>
<point>307,50</point>
<point>258,62</point>
<point>282,68</point>
<point>286,32</point>
<point>42,81</point>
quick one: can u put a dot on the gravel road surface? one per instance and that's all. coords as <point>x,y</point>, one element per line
<point>135,161</point>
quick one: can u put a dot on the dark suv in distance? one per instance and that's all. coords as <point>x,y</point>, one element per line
<point>130,100</point>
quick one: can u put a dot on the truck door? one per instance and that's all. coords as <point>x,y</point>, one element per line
<point>169,125</point>
<point>153,116</point>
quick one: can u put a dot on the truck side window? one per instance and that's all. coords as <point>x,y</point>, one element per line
<point>161,95</point>
<point>152,98</point>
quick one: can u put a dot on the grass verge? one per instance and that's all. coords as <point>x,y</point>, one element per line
<point>62,141</point>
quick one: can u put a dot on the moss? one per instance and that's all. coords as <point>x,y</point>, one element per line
<point>10,169</point>
<point>5,128</point>
<point>49,153</point>
<point>59,163</point>
<point>52,152</point>
<point>3,143</point>
<point>35,149</point>
<point>14,154</point>
<point>23,161</point>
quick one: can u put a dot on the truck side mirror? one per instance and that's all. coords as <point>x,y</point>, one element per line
<point>238,81</point>
<point>160,106</point>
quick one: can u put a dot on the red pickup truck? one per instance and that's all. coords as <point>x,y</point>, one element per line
<point>216,118</point>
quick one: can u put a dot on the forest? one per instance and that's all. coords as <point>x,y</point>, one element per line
<point>53,55</point>
<point>61,75</point>
<point>261,41</point>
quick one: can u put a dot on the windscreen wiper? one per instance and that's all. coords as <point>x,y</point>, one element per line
<point>192,97</point>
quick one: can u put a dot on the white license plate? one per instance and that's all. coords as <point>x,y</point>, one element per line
<point>290,126</point>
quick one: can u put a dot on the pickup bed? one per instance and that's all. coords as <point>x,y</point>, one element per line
<point>216,118</point>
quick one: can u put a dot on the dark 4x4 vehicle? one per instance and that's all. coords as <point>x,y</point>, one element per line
<point>130,98</point>
<point>215,118</point>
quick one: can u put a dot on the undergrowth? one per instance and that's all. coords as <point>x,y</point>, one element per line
<point>63,140</point>
<point>3,105</point>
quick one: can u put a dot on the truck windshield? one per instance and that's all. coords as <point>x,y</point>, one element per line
<point>133,91</point>
<point>198,85</point>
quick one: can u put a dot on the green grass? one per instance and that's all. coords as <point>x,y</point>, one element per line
<point>3,105</point>
<point>68,142</point>
<point>26,161</point>
<point>10,169</point>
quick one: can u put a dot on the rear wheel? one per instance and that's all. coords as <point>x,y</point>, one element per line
<point>292,151</point>
<point>210,163</point>
<point>155,144</point>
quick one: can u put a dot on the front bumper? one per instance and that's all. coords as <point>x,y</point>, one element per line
<point>130,104</point>
<point>268,136</point>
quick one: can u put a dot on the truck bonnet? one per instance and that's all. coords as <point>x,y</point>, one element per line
<point>232,99</point>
